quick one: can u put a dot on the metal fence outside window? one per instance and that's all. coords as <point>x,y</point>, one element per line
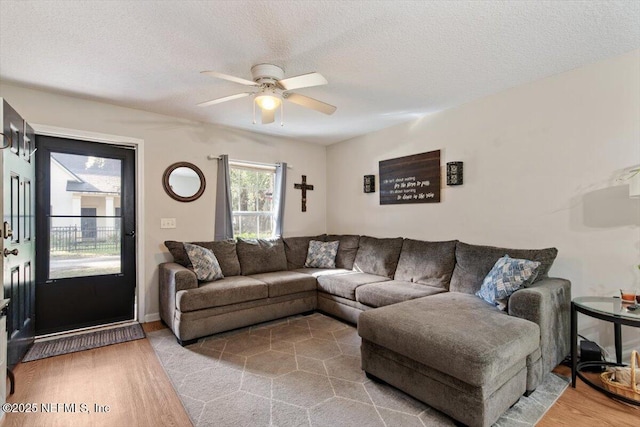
<point>84,239</point>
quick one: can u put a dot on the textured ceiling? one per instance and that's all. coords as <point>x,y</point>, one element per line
<point>386,61</point>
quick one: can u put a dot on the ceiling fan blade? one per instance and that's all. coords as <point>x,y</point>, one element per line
<point>224,99</point>
<point>314,104</point>
<point>268,116</point>
<point>229,78</point>
<point>304,80</point>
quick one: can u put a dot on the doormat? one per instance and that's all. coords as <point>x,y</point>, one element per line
<point>44,349</point>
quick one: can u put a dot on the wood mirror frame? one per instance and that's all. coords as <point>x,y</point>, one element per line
<point>169,190</point>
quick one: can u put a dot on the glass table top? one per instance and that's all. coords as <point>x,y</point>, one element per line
<point>609,306</point>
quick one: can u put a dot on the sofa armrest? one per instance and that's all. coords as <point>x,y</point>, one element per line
<point>176,277</point>
<point>173,278</point>
<point>547,303</point>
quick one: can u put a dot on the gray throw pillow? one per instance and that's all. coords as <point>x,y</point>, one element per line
<point>178,252</point>
<point>204,263</point>
<point>473,263</point>
<point>507,276</point>
<point>322,254</point>
<point>224,250</point>
<point>296,248</point>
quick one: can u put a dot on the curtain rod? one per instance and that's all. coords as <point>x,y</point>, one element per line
<point>247,162</point>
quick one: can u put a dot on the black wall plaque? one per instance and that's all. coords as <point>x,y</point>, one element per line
<point>369,183</point>
<point>454,173</point>
<point>410,179</point>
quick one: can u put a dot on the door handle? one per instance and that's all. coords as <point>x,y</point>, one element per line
<point>6,230</point>
<point>7,252</point>
<point>131,233</point>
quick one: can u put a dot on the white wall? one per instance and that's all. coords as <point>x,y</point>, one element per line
<point>540,168</point>
<point>168,140</point>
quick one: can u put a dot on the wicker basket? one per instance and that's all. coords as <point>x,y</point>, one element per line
<point>629,391</point>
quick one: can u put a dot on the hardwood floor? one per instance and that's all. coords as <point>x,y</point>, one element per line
<point>128,377</point>
<point>584,406</point>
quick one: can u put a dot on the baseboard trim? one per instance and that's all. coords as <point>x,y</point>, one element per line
<point>152,317</point>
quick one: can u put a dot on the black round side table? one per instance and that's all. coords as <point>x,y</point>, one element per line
<point>609,309</point>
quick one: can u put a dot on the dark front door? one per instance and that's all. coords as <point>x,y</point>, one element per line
<point>86,226</point>
<point>18,232</point>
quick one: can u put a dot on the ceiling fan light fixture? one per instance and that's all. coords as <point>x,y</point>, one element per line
<point>270,88</point>
<point>268,101</point>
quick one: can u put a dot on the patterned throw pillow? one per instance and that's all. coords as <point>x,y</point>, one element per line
<point>507,276</point>
<point>205,264</point>
<point>322,254</point>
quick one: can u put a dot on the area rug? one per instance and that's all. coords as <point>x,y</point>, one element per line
<point>87,341</point>
<point>302,371</point>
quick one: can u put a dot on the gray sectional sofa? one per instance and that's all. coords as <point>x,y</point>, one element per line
<point>423,330</point>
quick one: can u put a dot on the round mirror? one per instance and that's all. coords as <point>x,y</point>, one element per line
<point>183,182</point>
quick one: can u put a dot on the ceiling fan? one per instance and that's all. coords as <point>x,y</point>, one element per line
<point>269,88</point>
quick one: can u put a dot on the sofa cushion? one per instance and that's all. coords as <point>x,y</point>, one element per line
<point>378,256</point>
<point>316,272</point>
<point>346,250</point>
<point>427,263</point>
<point>225,252</point>
<point>473,263</point>
<point>506,277</point>
<point>454,333</point>
<point>230,290</point>
<point>204,263</point>
<point>345,284</point>
<point>286,282</point>
<point>261,256</point>
<point>392,291</point>
<point>322,254</point>
<point>296,248</point>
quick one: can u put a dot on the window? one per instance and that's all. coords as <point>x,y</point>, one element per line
<point>252,200</point>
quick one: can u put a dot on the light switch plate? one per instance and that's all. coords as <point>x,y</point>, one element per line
<point>167,223</point>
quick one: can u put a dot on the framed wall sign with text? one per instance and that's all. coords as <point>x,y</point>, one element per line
<point>410,179</point>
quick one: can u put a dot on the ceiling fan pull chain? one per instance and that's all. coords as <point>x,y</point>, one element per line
<point>282,114</point>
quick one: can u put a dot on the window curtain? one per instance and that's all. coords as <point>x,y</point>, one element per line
<point>280,192</point>
<point>224,222</point>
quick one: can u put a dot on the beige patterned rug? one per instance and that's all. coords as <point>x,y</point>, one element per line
<point>302,371</point>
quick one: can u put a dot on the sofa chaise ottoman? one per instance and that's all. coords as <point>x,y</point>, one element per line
<point>452,351</point>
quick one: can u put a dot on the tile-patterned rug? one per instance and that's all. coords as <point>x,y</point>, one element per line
<point>302,371</point>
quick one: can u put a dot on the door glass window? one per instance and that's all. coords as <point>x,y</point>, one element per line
<point>85,224</point>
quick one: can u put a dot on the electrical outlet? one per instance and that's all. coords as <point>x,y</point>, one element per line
<point>167,223</point>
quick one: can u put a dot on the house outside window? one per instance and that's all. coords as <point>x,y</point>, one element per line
<point>85,210</point>
<point>252,200</point>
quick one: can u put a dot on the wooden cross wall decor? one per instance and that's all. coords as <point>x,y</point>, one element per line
<point>304,187</point>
